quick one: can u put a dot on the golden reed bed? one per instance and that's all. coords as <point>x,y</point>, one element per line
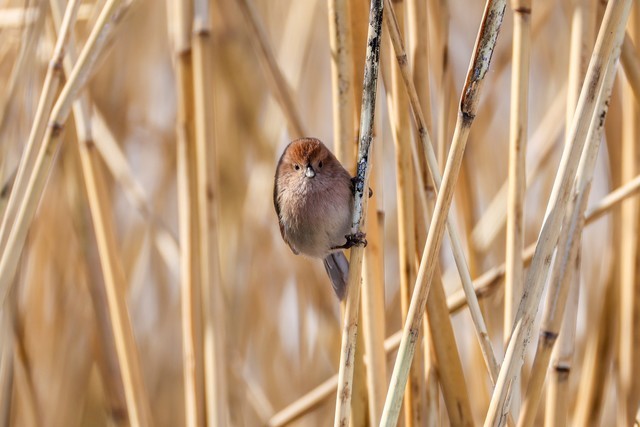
<point>143,279</point>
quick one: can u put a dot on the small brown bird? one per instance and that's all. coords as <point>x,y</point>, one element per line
<point>313,197</point>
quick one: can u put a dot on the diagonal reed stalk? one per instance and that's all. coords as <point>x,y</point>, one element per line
<point>110,271</point>
<point>615,17</point>
<point>427,146</point>
<point>483,285</point>
<point>207,193</point>
<point>37,172</point>
<point>279,87</point>
<point>25,201</point>
<point>52,82</point>
<point>568,247</point>
<point>583,24</point>
<point>485,44</point>
<point>350,328</point>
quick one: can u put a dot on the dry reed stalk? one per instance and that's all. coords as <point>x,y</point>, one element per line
<point>484,285</point>
<point>358,9</point>
<point>631,65</point>
<point>629,316</point>
<point>612,199</point>
<point>439,26</point>
<point>492,221</point>
<point>350,328</point>
<point>6,376</point>
<point>451,374</point>
<point>418,26</point>
<point>278,84</point>
<point>53,79</point>
<point>485,43</point>
<point>344,136</point>
<point>190,214</point>
<point>582,38</point>
<point>373,324</point>
<point>122,172</point>
<point>517,161</point>
<point>419,54</point>
<point>212,292</point>
<point>401,132</point>
<point>545,136</point>
<point>342,76</point>
<point>517,177</point>
<point>134,391</point>
<point>22,373</point>
<point>568,247</point>
<point>558,394</point>
<point>24,60</point>
<point>15,234</point>
<point>108,361</point>
<point>615,17</point>
<point>597,363</point>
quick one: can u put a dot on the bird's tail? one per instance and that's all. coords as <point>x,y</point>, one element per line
<point>337,268</point>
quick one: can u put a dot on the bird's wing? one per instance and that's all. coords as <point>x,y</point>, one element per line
<point>276,205</point>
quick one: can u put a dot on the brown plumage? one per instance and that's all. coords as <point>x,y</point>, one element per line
<point>313,199</point>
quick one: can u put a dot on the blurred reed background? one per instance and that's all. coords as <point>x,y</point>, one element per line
<point>143,280</point>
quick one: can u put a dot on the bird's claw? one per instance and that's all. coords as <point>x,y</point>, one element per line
<point>356,239</point>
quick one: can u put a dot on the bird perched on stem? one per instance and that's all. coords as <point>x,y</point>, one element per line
<point>313,197</point>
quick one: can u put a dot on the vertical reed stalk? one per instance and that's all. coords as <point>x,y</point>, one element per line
<point>212,293</point>
<point>350,328</point>
<point>615,17</point>
<point>517,168</point>
<point>558,392</point>
<point>450,373</point>
<point>53,79</point>
<point>542,141</point>
<point>373,314</point>
<point>191,256</point>
<point>344,131</point>
<point>125,345</point>
<point>401,132</point>
<point>26,201</point>
<point>108,361</point>
<point>631,65</point>
<point>419,54</point>
<point>418,25</point>
<point>517,160</point>
<point>439,11</point>
<point>629,329</point>
<point>485,44</point>
<point>342,76</point>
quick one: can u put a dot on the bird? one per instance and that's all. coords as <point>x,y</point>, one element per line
<point>313,199</point>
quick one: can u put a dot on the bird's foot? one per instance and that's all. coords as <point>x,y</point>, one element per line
<point>357,239</point>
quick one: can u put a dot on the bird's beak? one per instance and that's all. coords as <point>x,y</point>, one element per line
<point>309,173</point>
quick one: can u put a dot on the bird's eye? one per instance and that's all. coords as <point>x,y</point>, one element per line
<point>296,167</point>
<point>320,164</point>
